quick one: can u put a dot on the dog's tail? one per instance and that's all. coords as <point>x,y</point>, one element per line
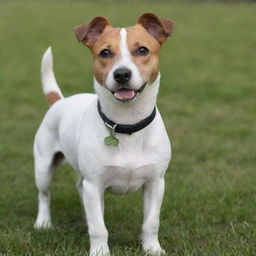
<point>50,87</point>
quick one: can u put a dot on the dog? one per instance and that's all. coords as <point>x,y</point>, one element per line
<point>115,139</point>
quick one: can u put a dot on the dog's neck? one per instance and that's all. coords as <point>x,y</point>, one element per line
<point>128,112</point>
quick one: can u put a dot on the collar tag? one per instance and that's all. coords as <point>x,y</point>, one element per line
<point>111,140</point>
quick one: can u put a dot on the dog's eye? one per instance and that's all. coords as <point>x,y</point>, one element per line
<point>106,53</point>
<point>142,51</point>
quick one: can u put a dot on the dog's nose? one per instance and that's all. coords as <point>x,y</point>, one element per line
<point>122,75</point>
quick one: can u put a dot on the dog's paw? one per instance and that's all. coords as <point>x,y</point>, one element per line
<point>43,224</point>
<point>100,251</point>
<point>153,249</point>
<point>155,252</point>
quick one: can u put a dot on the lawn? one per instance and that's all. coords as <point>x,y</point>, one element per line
<point>207,100</point>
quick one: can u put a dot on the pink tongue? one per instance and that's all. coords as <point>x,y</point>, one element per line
<point>124,94</point>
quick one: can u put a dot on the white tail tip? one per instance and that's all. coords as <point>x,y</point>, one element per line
<point>46,64</point>
<point>49,83</point>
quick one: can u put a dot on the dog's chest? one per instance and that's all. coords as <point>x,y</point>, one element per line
<point>139,158</point>
<point>126,177</point>
<point>127,171</point>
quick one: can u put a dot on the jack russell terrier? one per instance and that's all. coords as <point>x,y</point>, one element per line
<point>115,139</point>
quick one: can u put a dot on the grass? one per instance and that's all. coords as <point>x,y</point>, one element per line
<point>207,99</point>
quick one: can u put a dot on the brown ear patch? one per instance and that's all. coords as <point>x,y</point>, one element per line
<point>89,33</point>
<point>157,27</point>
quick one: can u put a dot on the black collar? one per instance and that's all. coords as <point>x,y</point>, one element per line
<point>126,128</point>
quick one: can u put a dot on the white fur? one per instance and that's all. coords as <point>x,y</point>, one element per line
<point>73,126</point>
<point>49,83</point>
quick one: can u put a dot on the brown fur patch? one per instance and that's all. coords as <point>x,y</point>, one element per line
<point>109,39</point>
<point>52,97</point>
<point>90,32</point>
<point>148,65</point>
<point>157,27</point>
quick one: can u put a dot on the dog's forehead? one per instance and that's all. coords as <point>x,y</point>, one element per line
<point>136,36</point>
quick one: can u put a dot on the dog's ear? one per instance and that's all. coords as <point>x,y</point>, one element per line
<point>157,27</point>
<point>90,32</point>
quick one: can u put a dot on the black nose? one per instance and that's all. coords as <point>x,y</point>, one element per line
<point>122,75</point>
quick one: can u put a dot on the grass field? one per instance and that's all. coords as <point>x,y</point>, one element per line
<point>208,102</point>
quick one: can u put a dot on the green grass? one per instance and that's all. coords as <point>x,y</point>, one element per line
<point>207,99</point>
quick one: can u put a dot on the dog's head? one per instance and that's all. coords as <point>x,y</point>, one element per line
<point>125,59</point>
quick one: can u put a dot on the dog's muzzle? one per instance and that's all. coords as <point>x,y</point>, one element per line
<point>125,93</point>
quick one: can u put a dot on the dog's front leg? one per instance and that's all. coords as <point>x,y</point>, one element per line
<point>93,198</point>
<point>153,196</point>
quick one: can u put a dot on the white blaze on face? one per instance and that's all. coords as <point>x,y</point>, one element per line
<point>125,54</point>
<point>124,61</point>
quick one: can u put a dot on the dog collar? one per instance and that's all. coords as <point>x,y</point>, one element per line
<point>126,128</point>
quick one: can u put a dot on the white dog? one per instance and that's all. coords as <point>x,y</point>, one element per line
<point>115,139</point>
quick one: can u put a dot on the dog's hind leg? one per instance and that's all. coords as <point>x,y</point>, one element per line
<point>43,176</point>
<point>46,159</point>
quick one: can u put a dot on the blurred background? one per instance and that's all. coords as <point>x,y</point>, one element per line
<point>207,100</point>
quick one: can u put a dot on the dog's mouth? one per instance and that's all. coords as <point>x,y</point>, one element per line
<point>126,94</point>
